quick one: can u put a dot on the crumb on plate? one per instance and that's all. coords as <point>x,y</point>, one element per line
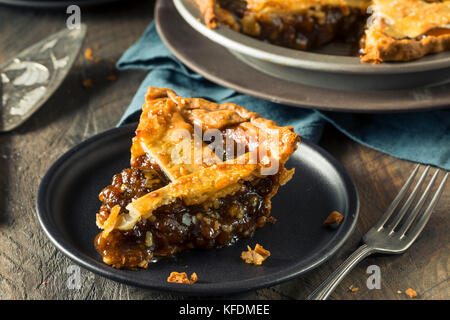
<point>256,256</point>
<point>177,277</point>
<point>334,218</point>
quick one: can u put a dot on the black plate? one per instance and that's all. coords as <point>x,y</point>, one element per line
<point>67,203</point>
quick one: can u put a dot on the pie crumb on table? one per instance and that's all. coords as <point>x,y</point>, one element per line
<point>411,293</point>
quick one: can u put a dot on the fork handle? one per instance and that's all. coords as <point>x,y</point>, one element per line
<point>323,291</point>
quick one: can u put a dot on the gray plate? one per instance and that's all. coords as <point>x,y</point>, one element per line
<point>219,65</point>
<point>329,68</point>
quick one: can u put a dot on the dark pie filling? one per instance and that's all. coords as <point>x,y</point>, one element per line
<point>301,31</point>
<point>129,185</point>
<point>177,226</point>
<point>304,32</point>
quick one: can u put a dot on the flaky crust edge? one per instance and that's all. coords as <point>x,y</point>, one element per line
<point>214,15</point>
<point>380,47</point>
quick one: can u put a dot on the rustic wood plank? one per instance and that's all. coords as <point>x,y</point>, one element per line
<point>32,268</point>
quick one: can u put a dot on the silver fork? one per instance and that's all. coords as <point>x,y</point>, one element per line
<point>387,238</point>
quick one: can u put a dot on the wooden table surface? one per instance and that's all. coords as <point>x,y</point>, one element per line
<point>32,268</point>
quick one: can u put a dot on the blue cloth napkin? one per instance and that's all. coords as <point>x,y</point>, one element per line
<point>420,136</point>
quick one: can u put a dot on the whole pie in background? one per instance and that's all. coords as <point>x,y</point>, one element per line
<point>172,199</point>
<point>386,30</point>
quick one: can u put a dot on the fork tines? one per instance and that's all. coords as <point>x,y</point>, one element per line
<point>417,216</point>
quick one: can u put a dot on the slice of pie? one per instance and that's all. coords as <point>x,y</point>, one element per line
<point>386,30</point>
<point>405,30</point>
<point>202,175</point>
<point>297,24</point>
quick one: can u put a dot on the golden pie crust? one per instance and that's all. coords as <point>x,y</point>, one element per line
<point>406,30</point>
